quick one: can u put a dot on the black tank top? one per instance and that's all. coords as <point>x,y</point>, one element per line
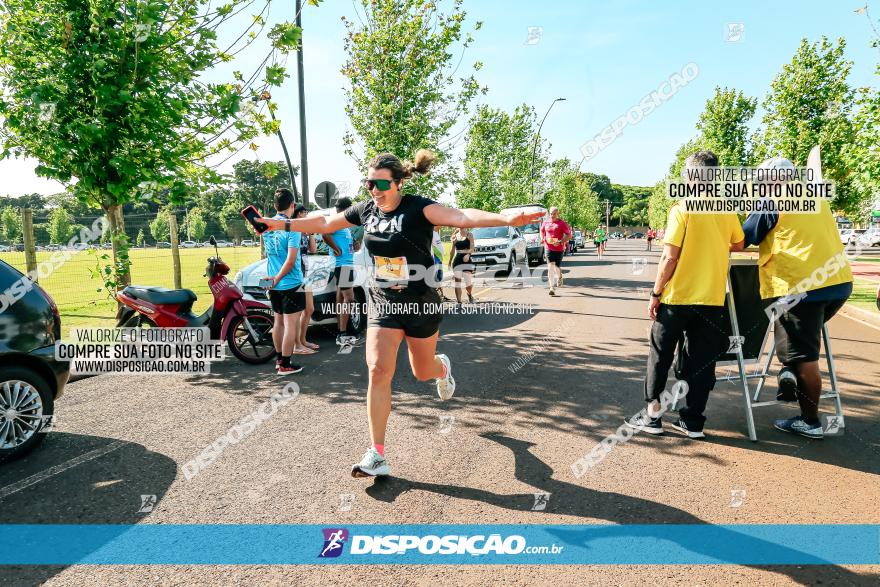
<point>462,245</point>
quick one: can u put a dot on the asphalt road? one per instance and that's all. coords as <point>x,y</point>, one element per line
<point>478,458</point>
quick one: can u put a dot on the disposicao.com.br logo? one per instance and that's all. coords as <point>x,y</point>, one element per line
<point>397,544</point>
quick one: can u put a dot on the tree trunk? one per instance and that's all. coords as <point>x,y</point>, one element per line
<point>117,228</point>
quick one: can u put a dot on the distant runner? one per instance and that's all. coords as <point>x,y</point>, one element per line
<point>555,233</point>
<point>599,238</point>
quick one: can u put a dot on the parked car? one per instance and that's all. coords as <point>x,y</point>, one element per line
<point>870,238</point>
<point>249,243</point>
<point>637,235</point>
<point>31,379</point>
<point>163,245</point>
<point>499,246</point>
<point>319,270</point>
<point>530,232</point>
<point>579,239</point>
<point>224,244</point>
<point>4,249</point>
<point>188,244</point>
<point>846,235</point>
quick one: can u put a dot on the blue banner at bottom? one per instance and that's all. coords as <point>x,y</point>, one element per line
<point>212,544</point>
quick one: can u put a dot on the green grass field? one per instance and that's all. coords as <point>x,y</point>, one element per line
<point>79,302</point>
<point>864,295</point>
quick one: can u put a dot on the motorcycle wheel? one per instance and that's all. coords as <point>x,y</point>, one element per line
<point>242,344</point>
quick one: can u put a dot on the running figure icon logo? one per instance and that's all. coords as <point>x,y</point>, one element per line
<point>832,425</point>
<point>334,540</point>
<point>541,502</point>
<point>148,502</point>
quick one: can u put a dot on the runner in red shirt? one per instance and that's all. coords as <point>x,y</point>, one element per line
<point>555,233</point>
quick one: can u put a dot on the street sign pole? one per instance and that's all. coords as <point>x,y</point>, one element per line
<point>304,157</point>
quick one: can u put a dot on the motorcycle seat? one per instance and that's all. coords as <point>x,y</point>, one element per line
<point>160,295</point>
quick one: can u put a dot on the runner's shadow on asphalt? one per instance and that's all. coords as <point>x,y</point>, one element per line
<point>103,483</point>
<point>619,509</point>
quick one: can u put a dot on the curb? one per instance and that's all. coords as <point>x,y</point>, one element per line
<point>852,312</point>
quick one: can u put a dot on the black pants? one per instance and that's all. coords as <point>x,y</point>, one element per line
<point>703,332</point>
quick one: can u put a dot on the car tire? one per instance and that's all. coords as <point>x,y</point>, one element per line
<point>38,401</point>
<point>511,263</point>
<point>358,318</point>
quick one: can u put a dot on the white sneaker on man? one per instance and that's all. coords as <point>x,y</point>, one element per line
<point>445,385</point>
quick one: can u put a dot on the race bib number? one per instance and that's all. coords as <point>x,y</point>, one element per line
<point>391,268</point>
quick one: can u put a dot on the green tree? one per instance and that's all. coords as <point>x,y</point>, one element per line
<point>140,239</point>
<point>864,154</point>
<point>197,225</point>
<point>403,95</point>
<point>723,126</point>
<point>634,210</point>
<point>498,157</point>
<point>60,226</point>
<point>810,103</point>
<point>160,227</point>
<point>108,95</point>
<point>10,219</point>
<point>256,181</point>
<point>232,222</point>
<point>658,202</point>
<point>570,191</point>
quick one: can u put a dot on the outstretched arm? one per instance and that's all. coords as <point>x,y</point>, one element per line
<point>440,215</point>
<point>314,224</point>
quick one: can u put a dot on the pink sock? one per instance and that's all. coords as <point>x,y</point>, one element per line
<point>380,448</point>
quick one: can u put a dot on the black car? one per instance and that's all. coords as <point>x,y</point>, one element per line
<point>30,377</point>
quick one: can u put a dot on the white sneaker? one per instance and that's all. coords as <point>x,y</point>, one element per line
<point>372,465</point>
<point>445,385</point>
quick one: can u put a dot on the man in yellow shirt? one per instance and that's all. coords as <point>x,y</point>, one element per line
<point>688,300</point>
<point>801,259</point>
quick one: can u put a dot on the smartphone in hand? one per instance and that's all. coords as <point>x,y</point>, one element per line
<point>267,283</point>
<point>251,214</point>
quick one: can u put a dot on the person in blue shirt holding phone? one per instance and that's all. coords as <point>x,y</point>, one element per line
<point>342,246</point>
<point>286,294</point>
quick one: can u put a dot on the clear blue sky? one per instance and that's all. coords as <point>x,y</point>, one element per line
<point>603,57</point>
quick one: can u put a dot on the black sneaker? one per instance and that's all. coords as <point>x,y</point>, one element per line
<point>691,431</point>
<point>643,422</point>
<point>787,386</point>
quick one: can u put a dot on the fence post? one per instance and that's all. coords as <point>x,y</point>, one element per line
<point>30,247</point>
<point>175,252</point>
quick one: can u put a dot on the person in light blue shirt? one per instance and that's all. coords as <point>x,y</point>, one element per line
<point>342,247</point>
<point>286,293</point>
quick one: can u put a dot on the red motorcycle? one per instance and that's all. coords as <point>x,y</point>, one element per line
<point>244,324</point>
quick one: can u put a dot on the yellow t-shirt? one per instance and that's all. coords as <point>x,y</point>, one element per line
<point>803,252</point>
<point>701,274</point>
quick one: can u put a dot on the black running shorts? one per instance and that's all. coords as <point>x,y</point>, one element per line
<point>287,301</point>
<point>418,316</point>
<point>799,331</point>
<point>554,257</point>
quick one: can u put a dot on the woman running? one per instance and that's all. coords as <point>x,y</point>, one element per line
<point>460,262</point>
<point>403,304</point>
<point>307,246</point>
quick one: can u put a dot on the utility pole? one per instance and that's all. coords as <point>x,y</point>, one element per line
<point>607,214</point>
<point>267,96</point>
<point>304,157</point>
<point>535,148</point>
